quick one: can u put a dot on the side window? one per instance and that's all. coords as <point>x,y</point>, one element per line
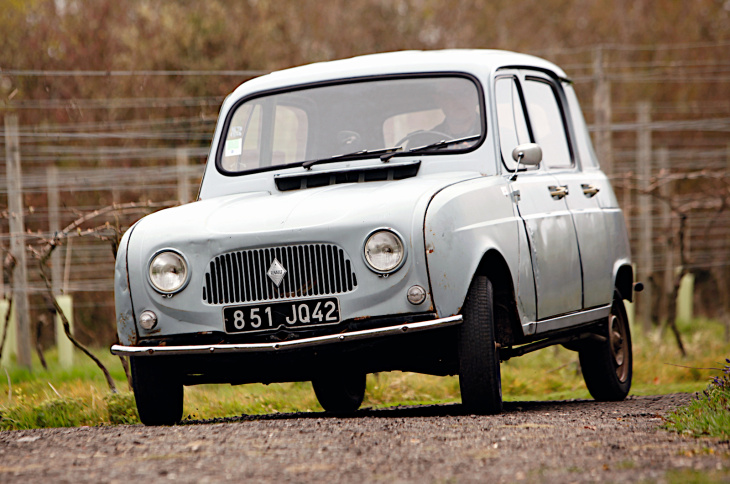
<point>511,118</point>
<point>546,119</point>
<point>586,153</point>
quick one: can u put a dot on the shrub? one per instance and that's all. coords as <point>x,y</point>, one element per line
<point>121,408</point>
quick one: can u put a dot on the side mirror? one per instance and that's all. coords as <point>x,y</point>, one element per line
<point>528,154</point>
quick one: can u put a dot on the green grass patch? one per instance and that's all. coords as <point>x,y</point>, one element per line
<point>56,412</point>
<point>691,476</point>
<point>79,396</point>
<point>709,413</point>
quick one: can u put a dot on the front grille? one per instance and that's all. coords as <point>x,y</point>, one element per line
<point>312,270</point>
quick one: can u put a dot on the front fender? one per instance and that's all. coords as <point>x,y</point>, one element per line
<point>462,223</point>
<point>126,325</point>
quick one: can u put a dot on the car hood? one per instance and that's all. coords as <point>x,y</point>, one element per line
<point>312,211</point>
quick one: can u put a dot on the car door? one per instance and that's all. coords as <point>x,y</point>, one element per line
<point>549,117</point>
<point>590,201</point>
<point>540,202</point>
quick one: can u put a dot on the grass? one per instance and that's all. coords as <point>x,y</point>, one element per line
<point>79,396</point>
<point>709,413</point>
<point>691,476</point>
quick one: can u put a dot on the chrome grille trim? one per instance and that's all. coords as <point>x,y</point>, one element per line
<point>312,270</point>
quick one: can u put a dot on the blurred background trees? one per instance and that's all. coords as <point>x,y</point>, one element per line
<point>109,91</point>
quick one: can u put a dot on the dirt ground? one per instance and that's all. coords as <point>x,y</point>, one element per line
<point>567,441</point>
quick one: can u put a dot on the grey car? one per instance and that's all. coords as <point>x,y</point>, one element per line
<point>434,212</point>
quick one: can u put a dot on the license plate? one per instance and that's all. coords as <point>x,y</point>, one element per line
<point>292,314</point>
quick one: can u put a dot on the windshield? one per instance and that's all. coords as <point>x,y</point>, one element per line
<point>318,123</point>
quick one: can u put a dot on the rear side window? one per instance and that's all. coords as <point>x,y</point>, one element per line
<point>586,153</point>
<point>548,125</point>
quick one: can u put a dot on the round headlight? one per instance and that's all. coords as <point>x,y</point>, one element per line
<point>384,251</point>
<point>168,272</point>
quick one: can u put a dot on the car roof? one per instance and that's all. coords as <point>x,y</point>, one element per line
<point>474,61</point>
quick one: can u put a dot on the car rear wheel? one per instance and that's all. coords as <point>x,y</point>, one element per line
<point>480,378</point>
<point>158,393</point>
<point>607,365</point>
<point>340,393</point>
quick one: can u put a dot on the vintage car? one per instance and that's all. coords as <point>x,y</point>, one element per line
<point>434,212</point>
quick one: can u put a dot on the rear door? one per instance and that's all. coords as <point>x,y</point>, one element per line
<point>590,203</point>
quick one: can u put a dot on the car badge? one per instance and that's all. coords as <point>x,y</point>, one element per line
<point>276,272</point>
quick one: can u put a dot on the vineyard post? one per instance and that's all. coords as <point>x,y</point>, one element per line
<point>17,239</point>
<point>602,110</point>
<point>666,224</point>
<point>183,178</point>
<point>63,344</point>
<point>646,262</point>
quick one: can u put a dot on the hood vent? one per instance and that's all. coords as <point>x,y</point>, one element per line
<point>390,171</point>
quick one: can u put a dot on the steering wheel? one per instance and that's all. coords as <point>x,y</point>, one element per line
<point>426,136</point>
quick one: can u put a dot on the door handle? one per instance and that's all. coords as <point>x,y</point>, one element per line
<point>589,190</point>
<point>558,192</point>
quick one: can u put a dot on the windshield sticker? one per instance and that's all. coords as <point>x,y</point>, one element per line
<point>233,147</point>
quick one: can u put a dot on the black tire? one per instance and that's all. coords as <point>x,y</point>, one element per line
<point>159,394</point>
<point>340,393</point>
<point>608,366</point>
<point>480,378</point>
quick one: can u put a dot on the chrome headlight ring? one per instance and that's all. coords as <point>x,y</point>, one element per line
<point>168,271</point>
<point>384,251</point>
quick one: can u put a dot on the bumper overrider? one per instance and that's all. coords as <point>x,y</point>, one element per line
<point>284,345</point>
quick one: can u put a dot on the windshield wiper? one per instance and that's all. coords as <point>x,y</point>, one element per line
<point>432,146</point>
<point>353,156</point>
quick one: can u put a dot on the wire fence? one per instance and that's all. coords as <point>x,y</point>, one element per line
<point>668,112</point>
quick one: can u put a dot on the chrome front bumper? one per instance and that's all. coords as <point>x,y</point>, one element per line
<point>285,345</point>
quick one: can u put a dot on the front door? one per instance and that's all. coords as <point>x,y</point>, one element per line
<point>540,202</point>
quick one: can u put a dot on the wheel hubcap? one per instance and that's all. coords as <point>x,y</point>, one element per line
<point>618,347</point>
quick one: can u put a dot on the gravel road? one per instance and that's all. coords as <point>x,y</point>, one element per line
<point>567,441</point>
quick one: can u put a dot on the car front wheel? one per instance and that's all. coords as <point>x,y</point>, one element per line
<point>341,393</point>
<point>480,378</point>
<point>159,394</point>
<point>607,365</point>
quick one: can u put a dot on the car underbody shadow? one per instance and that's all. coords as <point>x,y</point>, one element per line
<point>415,411</point>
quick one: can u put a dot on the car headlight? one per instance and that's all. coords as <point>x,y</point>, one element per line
<point>384,251</point>
<point>168,271</point>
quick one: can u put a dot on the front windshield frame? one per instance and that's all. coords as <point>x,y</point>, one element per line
<point>364,79</point>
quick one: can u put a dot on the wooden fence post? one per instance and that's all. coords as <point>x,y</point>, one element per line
<point>644,162</point>
<point>667,282</point>
<point>602,112</point>
<point>54,225</point>
<point>10,340</point>
<point>63,344</point>
<point>17,239</point>
<point>183,179</point>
